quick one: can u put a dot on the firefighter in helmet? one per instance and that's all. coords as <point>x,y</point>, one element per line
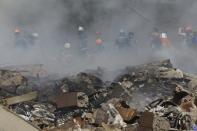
<point>82,37</point>
<point>122,41</point>
<point>155,39</point>
<point>187,33</point>
<point>99,41</point>
<point>20,41</point>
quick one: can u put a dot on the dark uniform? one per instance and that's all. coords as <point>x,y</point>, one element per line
<point>24,40</point>
<point>20,41</point>
<point>132,39</point>
<point>82,36</point>
<point>155,39</point>
<point>99,42</point>
<point>194,40</point>
<point>122,41</point>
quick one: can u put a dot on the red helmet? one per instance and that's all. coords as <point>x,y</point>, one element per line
<point>99,41</point>
<point>188,28</point>
<point>17,30</point>
<point>98,33</point>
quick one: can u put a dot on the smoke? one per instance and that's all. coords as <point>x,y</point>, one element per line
<point>41,16</point>
<point>56,22</point>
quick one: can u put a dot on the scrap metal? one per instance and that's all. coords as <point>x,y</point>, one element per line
<point>71,99</point>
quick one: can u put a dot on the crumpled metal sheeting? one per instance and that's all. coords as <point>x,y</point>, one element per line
<point>36,113</point>
<point>175,115</point>
<point>98,98</point>
<point>82,82</point>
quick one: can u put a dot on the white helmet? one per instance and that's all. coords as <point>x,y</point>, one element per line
<point>35,34</point>
<point>81,28</point>
<point>164,35</point>
<point>67,45</point>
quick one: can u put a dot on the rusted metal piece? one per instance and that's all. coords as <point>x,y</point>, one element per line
<point>71,99</point>
<point>127,113</point>
<point>18,99</point>
<point>146,122</point>
<point>79,121</point>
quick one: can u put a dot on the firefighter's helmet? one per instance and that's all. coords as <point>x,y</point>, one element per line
<point>188,28</point>
<point>164,35</point>
<point>17,30</point>
<point>80,28</point>
<point>35,35</point>
<point>67,45</point>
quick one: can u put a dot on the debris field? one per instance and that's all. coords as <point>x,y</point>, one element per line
<point>148,97</point>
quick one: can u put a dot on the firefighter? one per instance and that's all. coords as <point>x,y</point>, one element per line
<point>132,40</point>
<point>24,39</point>
<point>20,41</point>
<point>155,39</point>
<point>165,42</point>
<point>82,36</point>
<point>66,54</point>
<point>187,34</point>
<point>32,37</point>
<point>194,39</point>
<point>99,42</point>
<point>122,41</point>
<point>17,31</point>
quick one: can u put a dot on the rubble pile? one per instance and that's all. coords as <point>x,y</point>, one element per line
<point>150,97</point>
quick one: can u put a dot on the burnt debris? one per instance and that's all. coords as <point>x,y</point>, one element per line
<point>149,97</point>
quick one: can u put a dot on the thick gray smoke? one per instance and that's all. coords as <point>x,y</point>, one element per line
<point>57,21</point>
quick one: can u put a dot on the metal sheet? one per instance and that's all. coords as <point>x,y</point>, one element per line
<point>66,100</point>
<point>146,122</point>
<point>18,99</point>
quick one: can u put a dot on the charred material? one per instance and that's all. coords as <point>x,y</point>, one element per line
<point>85,101</point>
